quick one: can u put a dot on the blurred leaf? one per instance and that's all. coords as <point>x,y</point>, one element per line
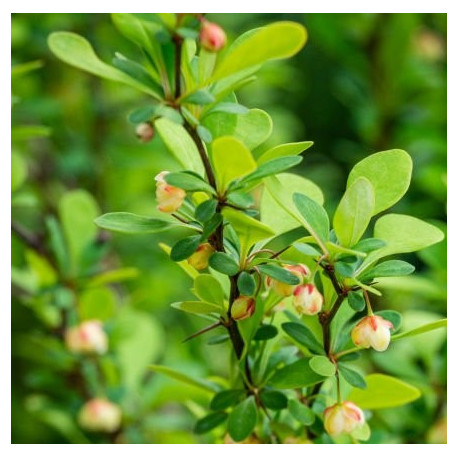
<point>227,398</point>
<point>129,223</point>
<point>383,391</point>
<point>113,276</point>
<point>242,419</point>
<point>301,412</point>
<point>246,284</point>
<point>296,375</point>
<point>266,332</point>
<point>191,271</point>
<point>395,318</point>
<point>288,149</point>
<point>18,171</point>
<point>211,421</point>
<point>274,400</point>
<point>197,307</point>
<point>26,132</point>
<point>41,267</point>
<point>199,97</point>
<point>209,289</point>
<point>97,303</point>
<point>228,107</point>
<point>422,329</point>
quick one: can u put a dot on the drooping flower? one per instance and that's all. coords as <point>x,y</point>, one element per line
<point>342,418</point>
<point>212,37</point>
<point>243,307</point>
<point>307,299</point>
<point>372,331</point>
<point>170,198</point>
<point>87,337</point>
<point>301,271</point>
<point>199,259</point>
<point>100,415</point>
<point>144,132</point>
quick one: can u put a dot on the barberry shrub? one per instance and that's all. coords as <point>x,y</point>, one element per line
<point>281,281</point>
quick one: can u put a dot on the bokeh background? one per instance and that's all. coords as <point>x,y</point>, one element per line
<point>363,83</point>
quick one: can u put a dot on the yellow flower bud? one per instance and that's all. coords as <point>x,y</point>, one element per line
<point>243,307</point>
<point>372,331</point>
<point>212,37</point>
<point>342,418</point>
<point>169,197</point>
<point>88,337</point>
<point>199,259</point>
<point>282,289</point>
<point>307,299</point>
<point>100,415</point>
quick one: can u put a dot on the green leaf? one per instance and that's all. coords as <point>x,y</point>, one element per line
<point>142,114</point>
<point>185,248</point>
<point>18,171</point>
<point>402,234</point>
<point>284,38</point>
<point>129,223</point>
<point>227,398</point>
<point>113,276</point>
<point>242,419</point>
<point>241,199</point>
<point>224,263</point>
<point>252,129</point>
<point>206,210</point>
<point>314,217</point>
<point>322,366</point>
<point>77,211</point>
<point>383,391</point>
<point>204,133</point>
<point>135,71</point>
<point>97,303</point>
<point>266,332</point>
<point>352,377</point>
<point>271,168</point>
<point>169,113</point>
<point>191,271</point>
<point>77,51</point>
<point>179,144</point>
<point>231,159</point>
<point>354,212</point>
<point>211,421</point>
<point>296,375</point>
<point>188,182</point>
<point>228,107</point>
<point>196,307</point>
<point>389,173</point>
<point>274,400</point>
<point>288,149</point>
<point>356,301</point>
<point>307,249</point>
<point>185,378</point>
<point>368,245</point>
<point>395,318</point>
<point>422,329</point>
<point>199,97</point>
<point>246,284</point>
<point>392,268</point>
<point>301,412</point>
<point>209,289</point>
<point>211,225</point>
<point>279,273</point>
<point>304,336</point>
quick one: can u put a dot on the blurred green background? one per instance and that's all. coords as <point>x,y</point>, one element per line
<point>363,83</point>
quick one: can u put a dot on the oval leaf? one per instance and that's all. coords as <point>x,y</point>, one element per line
<point>242,419</point>
<point>224,263</point>
<point>303,335</point>
<point>129,223</point>
<point>226,398</point>
<point>211,421</point>
<point>322,366</point>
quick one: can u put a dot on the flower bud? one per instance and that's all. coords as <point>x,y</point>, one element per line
<point>243,307</point>
<point>307,299</point>
<point>100,415</point>
<point>144,132</point>
<point>372,331</point>
<point>88,337</point>
<point>199,259</point>
<point>212,37</point>
<point>282,289</point>
<point>169,197</point>
<point>342,418</point>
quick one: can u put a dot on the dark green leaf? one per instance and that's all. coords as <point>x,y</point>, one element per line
<point>303,335</point>
<point>227,398</point>
<point>186,32</point>
<point>210,422</point>
<point>242,419</point>
<point>200,97</point>
<point>301,412</point>
<point>188,182</point>
<point>344,269</point>
<point>142,114</point>
<point>350,357</point>
<point>392,268</point>
<point>185,248</point>
<point>296,375</point>
<point>218,339</point>
<point>356,301</point>
<point>206,210</point>
<point>211,225</point>
<point>395,318</point>
<point>224,263</point>
<point>368,245</point>
<point>278,273</point>
<point>169,113</point>
<point>246,284</point>
<point>136,71</point>
<point>128,223</point>
<point>351,376</point>
<point>266,332</point>
<point>274,400</point>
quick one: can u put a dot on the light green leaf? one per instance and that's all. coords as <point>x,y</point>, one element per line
<point>284,39</point>
<point>113,276</point>
<point>77,51</point>
<point>242,419</point>
<point>252,128</point>
<point>231,159</point>
<point>277,208</point>
<point>402,234</point>
<point>296,375</point>
<point>301,412</point>
<point>179,144</point>
<point>129,223</point>
<point>18,171</point>
<point>354,212</point>
<point>209,289</point>
<point>322,366</point>
<point>422,329</point>
<point>191,271</point>
<point>389,173</point>
<point>197,307</point>
<point>97,303</point>
<point>288,149</point>
<point>383,391</point>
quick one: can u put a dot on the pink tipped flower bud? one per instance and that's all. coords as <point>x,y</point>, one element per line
<point>243,307</point>
<point>301,271</point>
<point>144,132</point>
<point>212,37</point>
<point>199,259</point>
<point>307,299</point>
<point>100,415</point>
<point>372,331</point>
<point>169,197</point>
<point>88,337</point>
<point>342,418</point>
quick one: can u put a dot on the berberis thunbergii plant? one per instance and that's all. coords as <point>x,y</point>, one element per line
<point>282,282</point>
